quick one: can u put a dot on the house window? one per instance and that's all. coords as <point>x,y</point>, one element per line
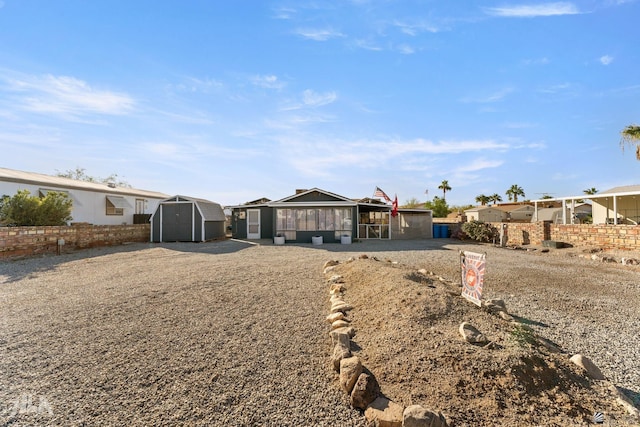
<point>288,221</point>
<point>116,205</point>
<point>141,206</point>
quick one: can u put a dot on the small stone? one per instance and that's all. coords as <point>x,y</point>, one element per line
<point>506,316</point>
<point>329,269</point>
<point>471,334</point>
<point>586,363</point>
<point>330,263</point>
<point>346,330</point>
<point>418,416</point>
<point>494,305</point>
<point>335,316</point>
<point>343,307</point>
<point>336,278</point>
<point>365,391</point>
<point>630,261</point>
<point>350,370</point>
<point>383,412</point>
<point>363,256</point>
<point>423,271</point>
<point>339,324</point>
<point>338,336</point>
<point>340,351</point>
<point>336,288</point>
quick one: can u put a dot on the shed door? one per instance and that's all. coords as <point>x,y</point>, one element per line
<point>253,223</point>
<point>177,220</point>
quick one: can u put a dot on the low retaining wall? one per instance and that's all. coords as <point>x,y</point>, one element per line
<point>624,237</point>
<point>26,241</point>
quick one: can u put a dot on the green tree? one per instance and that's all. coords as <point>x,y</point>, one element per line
<point>25,210</point>
<point>80,174</point>
<point>590,191</point>
<point>631,135</point>
<point>439,207</point>
<point>412,203</point>
<point>513,192</point>
<point>444,186</point>
<point>482,199</point>
<point>495,198</point>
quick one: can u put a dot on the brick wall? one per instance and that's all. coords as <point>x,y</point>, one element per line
<point>625,237</point>
<point>24,241</point>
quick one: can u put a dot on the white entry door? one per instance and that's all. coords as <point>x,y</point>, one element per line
<point>253,223</point>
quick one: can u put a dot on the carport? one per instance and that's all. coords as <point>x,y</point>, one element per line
<point>187,219</point>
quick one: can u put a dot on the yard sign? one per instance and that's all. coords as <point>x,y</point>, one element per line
<point>472,268</point>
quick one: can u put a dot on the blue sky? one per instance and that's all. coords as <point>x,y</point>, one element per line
<point>233,101</point>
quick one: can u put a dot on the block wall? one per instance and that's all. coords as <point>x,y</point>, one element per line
<point>27,241</point>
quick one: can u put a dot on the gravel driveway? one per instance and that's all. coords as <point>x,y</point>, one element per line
<point>232,334</point>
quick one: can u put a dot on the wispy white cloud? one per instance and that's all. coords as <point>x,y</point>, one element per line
<point>536,61</point>
<point>196,85</point>
<point>268,81</point>
<point>479,164</point>
<point>315,99</point>
<point>606,59</point>
<point>284,13</point>
<point>534,10</point>
<point>367,45</point>
<point>490,98</point>
<point>414,29</point>
<point>405,49</point>
<point>561,87</point>
<point>65,96</point>
<point>318,34</point>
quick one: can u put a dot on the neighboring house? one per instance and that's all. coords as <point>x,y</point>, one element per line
<point>517,212</point>
<point>619,205</point>
<point>187,219</point>
<point>553,215</point>
<point>93,203</point>
<point>485,214</point>
<point>618,202</point>
<point>316,212</point>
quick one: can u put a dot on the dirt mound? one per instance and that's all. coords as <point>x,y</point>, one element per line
<point>407,336</point>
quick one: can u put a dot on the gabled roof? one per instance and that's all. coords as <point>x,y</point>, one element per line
<point>57,182</point>
<point>210,211</point>
<point>482,208</point>
<point>617,191</point>
<point>302,199</point>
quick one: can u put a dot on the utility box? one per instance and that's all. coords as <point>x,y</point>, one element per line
<point>552,244</point>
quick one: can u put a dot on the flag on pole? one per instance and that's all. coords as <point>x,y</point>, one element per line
<point>380,193</point>
<point>394,207</point>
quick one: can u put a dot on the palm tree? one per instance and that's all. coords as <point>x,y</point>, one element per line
<point>495,198</point>
<point>444,186</point>
<point>514,192</point>
<point>631,135</point>
<point>590,191</point>
<point>482,199</point>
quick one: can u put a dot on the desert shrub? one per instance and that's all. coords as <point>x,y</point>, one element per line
<point>23,209</point>
<point>480,231</point>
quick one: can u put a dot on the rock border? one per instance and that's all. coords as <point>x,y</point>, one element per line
<point>362,387</point>
<point>356,380</point>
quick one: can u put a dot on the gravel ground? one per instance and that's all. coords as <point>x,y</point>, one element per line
<point>231,333</point>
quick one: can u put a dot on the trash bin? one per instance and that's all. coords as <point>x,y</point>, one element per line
<point>316,240</point>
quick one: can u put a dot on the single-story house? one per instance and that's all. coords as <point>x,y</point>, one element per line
<point>316,212</point>
<point>517,212</point>
<point>485,214</point>
<point>93,202</point>
<point>187,219</point>
<point>618,205</point>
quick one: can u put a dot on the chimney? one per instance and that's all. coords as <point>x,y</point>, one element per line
<point>300,190</point>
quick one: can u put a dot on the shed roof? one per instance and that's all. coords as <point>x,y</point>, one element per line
<point>211,211</point>
<point>11,175</point>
